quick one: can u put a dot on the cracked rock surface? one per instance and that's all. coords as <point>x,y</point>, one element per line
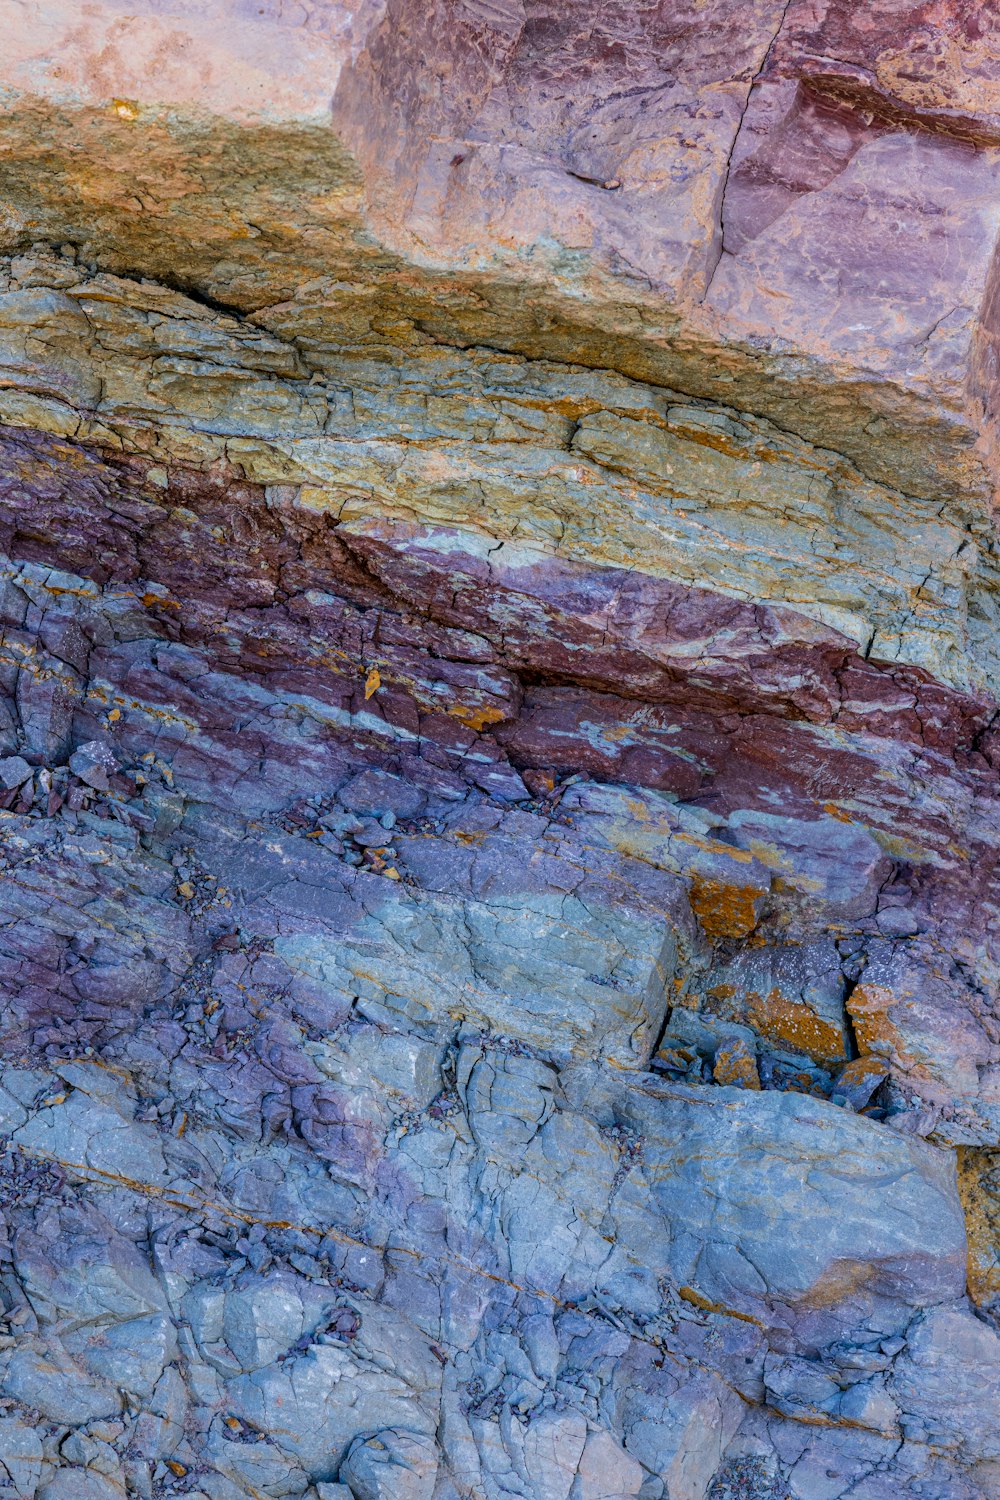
<point>499,748</point>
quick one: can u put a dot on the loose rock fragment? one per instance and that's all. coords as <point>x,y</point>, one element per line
<point>736,1063</point>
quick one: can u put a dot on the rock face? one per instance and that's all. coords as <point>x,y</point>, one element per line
<point>499,734</point>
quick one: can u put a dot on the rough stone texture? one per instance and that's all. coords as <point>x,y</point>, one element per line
<point>499,960</point>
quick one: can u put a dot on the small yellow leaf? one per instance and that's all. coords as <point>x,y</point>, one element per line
<point>372,683</point>
<point>114,716</point>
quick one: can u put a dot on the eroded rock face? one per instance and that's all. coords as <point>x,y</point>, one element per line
<point>498,751</point>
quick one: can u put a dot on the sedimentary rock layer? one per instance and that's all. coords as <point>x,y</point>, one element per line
<point>499,823</point>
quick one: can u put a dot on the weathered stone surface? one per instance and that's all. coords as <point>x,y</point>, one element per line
<point>499,961</point>
<point>392,1463</point>
<point>892,1221</point>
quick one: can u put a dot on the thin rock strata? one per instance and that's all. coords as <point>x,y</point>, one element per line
<point>499,733</point>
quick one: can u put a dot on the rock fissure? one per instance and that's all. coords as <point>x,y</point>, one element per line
<point>724,180</point>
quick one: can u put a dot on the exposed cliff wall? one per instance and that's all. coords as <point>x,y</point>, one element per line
<point>499,823</point>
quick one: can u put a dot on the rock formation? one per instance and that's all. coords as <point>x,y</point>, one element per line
<point>499,746</point>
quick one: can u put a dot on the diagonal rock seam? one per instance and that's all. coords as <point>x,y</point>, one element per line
<point>724,183</point>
